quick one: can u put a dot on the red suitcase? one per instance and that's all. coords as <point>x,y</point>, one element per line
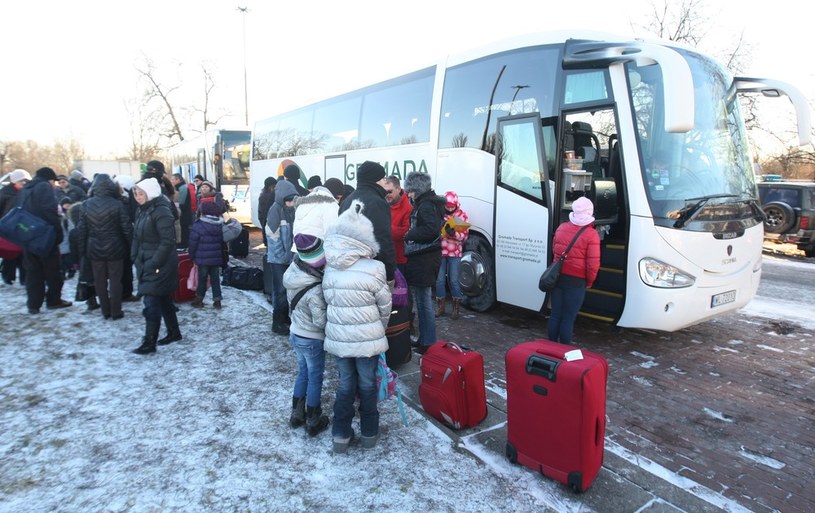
<point>452,388</point>
<point>182,293</point>
<point>556,411</point>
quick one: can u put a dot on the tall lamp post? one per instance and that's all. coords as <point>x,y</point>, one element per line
<point>243,11</point>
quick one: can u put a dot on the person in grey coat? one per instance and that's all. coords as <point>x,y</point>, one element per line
<point>154,255</point>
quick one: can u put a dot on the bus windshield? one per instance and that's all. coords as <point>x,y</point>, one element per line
<point>704,169</point>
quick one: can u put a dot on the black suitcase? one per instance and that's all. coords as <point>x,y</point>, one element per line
<point>242,277</point>
<point>398,333</point>
<point>239,247</point>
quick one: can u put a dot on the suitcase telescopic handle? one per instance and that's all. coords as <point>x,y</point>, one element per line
<point>542,366</point>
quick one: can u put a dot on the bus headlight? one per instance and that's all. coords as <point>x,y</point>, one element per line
<point>659,274</point>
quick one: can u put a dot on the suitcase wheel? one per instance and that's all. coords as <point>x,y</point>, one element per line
<point>512,454</point>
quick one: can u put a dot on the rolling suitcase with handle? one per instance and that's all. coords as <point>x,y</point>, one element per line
<point>398,332</point>
<point>182,292</point>
<point>556,410</point>
<point>452,387</point>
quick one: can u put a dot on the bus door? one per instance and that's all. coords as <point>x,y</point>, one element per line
<point>521,212</point>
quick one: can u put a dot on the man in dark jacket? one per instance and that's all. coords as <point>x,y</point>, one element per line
<point>371,192</point>
<point>185,213</point>
<point>105,234</point>
<point>8,199</point>
<point>265,202</point>
<point>38,197</point>
<point>293,174</point>
<point>68,190</point>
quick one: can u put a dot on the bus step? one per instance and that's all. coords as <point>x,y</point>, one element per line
<point>596,317</point>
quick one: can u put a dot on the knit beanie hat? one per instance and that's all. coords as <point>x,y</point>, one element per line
<point>417,183</point>
<point>310,249</point>
<point>46,173</point>
<point>314,181</point>
<point>582,211</point>
<point>18,175</point>
<point>150,187</point>
<point>292,172</point>
<point>370,172</point>
<point>156,167</point>
<point>76,175</point>
<point>210,208</point>
<point>335,186</point>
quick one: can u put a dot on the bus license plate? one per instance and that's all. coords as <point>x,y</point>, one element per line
<point>723,298</point>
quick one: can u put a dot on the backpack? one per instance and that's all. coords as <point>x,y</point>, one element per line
<point>386,383</point>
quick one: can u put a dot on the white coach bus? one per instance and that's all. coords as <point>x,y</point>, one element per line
<point>650,131</point>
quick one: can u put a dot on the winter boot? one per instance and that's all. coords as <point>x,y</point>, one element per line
<point>280,328</point>
<point>216,304</point>
<point>92,303</point>
<point>197,302</point>
<point>439,306</point>
<point>316,422</point>
<point>298,412</point>
<point>148,344</point>
<point>173,335</point>
<point>456,304</point>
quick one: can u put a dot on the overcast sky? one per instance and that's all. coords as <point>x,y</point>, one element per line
<point>68,67</point>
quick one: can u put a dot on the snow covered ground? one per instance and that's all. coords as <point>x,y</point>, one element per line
<point>203,425</point>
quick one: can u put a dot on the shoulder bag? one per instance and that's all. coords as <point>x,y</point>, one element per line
<point>549,278</point>
<point>25,229</point>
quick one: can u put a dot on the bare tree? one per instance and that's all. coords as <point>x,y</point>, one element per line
<point>30,155</point>
<point>156,91</point>
<point>209,85</point>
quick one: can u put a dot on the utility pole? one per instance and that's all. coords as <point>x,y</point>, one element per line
<point>243,11</point>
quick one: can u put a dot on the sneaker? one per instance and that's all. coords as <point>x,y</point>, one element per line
<point>340,445</point>
<point>62,304</point>
<point>369,442</point>
<point>420,349</point>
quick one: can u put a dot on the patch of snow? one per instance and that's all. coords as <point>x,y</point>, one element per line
<point>761,459</point>
<point>770,348</point>
<point>717,415</point>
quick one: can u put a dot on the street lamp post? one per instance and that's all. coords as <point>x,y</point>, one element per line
<point>243,11</point>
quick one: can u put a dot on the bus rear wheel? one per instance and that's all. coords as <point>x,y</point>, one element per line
<point>477,275</point>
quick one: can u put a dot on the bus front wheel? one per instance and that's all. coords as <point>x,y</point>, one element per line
<point>477,276</point>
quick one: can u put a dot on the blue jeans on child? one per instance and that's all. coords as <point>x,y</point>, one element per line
<point>567,298</point>
<point>357,375</point>
<point>213,272</point>
<point>311,360</point>
<point>449,273</point>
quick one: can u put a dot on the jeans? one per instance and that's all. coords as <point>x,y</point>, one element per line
<point>567,298</point>
<point>160,307</point>
<point>427,316</point>
<point>311,360</point>
<point>213,272</point>
<point>280,305</point>
<point>449,272</point>
<point>357,376</point>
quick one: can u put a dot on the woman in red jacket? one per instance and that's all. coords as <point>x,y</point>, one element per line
<point>579,269</point>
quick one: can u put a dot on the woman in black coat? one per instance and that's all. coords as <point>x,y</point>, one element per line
<point>105,234</point>
<point>423,252</point>
<point>154,256</point>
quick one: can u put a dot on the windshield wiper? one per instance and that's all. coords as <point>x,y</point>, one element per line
<point>688,213</point>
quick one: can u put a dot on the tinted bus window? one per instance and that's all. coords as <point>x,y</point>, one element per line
<point>523,81</point>
<point>336,124</point>
<point>397,113</point>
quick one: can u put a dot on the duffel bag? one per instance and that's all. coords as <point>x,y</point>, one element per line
<point>242,277</point>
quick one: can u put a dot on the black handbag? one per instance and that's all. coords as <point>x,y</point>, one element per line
<point>417,248</point>
<point>549,278</point>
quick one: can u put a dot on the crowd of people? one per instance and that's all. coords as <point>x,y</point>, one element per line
<point>334,252</point>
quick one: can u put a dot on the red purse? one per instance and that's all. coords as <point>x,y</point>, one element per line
<point>9,250</point>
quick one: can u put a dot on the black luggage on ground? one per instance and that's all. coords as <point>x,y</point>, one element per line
<point>398,333</point>
<point>268,278</point>
<point>244,278</point>
<point>239,248</point>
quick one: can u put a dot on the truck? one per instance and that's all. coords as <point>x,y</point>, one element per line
<point>90,168</point>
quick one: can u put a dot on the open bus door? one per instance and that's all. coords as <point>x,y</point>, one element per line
<point>521,212</point>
